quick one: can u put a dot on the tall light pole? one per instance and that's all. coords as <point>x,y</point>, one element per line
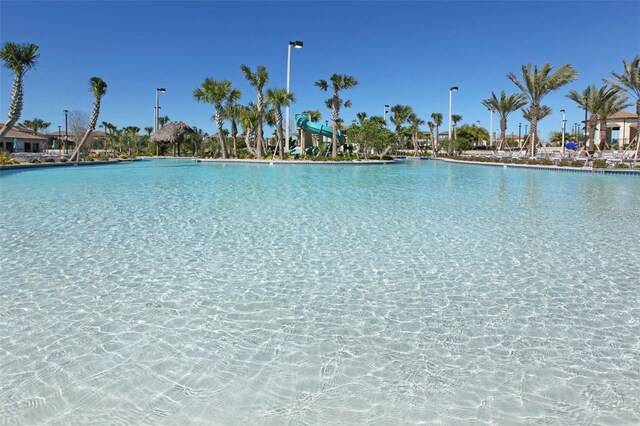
<point>385,114</point>
<point>66,130</point>
<point>490,126</point>
<point>451,90</point>
<point>478,142</point>
<point>155,121</point>
<point>519,135</point>
<point>296,45</point>
<point>585,121</point>
<point>564,126</point>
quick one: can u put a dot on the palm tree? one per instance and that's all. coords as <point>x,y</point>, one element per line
<point>98,88</point>
<point>630,81</point>
<point>232,112</point>
<point>401,114</point>
<point>536,84</point>
<point>258,79</point>
<point>35,125</point>
<point>215,92</point>
<point>504,105</point>
<point>414,125</point>
<point>162,120</point>
<point>437,122</point>
<point>149,130</point>
<point>339,82</point>
<point>610,105</point>
<point>600,103</point>
<point>456,118</point>
<point>18,58</point>
<point>314,115</point>
<point>279,98</point>
<point>249,121</point>
<point>431,127</point>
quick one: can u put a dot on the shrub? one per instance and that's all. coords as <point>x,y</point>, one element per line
<point>33,161</point>
<point>5,159</point>
<point>577,163</point>
<point>49,160</point>
<point>599,164</point>
<point>63,160</point>
<point>564,163</point>
<point>621,166</point>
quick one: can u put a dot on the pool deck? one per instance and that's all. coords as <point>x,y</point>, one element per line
<point>65,164</point>
<point>632,172</point>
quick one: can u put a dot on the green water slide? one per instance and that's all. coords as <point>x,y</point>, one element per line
<point>302,120</point>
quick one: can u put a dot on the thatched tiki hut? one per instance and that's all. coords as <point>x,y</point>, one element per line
<point>173,133</point>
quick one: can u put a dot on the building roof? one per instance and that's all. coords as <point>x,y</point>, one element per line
<point>623,115</point>
<point>94,134</point>
<point>19,133</point>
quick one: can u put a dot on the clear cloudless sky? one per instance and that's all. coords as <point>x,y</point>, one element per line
<point>401,52</point>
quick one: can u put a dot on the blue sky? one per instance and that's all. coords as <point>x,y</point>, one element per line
<point>401,53</point>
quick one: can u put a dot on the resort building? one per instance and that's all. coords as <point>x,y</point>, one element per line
<point>20,140</point>
<point>621,129</point>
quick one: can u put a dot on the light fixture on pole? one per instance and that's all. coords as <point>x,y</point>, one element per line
<point>564,126</point>
<point>451,90</point>
<point>385,114</point>
<point>155,122</point>
<point>296,45</point>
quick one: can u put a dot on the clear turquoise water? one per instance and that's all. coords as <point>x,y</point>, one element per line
<point>171,292</point>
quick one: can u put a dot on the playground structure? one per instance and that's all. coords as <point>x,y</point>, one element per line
<point>306,130</point>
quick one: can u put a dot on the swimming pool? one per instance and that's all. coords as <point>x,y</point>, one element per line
<point>176,292</point>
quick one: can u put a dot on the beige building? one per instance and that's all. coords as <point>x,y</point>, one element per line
<point>621,129</point>
<point>20,140</point>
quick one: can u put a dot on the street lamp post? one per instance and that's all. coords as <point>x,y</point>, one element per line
<point>478,143</point>
<point>451,90</point>
<point>296,45</point>
<point>157,109</point>
<point>66,130</point>
<point>519,135</point>
<point>585,122</point>
<point>564,126</point>
<point>491,127</point>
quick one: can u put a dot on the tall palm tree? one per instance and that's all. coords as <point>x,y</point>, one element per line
<point>414,125</point>
<point>35,125</point>
<point>232,112</point>
<point>314,115</point>
<point>18,58</point>
<point>630,81</point>
<point>258,79</point>
<point>162,120</point>
<point>536,84</point>
<point>610,105</point>
<point>401,114</point>
<point>339,82</point>
<point>149,130</point>
<point>504,105</point>
<point>248,119</point>
<point>279,98</point>
<point>456,118</point>
<point>431,127</point>
<point>362,117</point>
<point>437,122</point>
<point>98,88</point>
<point>600,103</point>
<point>215,92</point>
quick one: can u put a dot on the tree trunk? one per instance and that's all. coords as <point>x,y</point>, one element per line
<point>415,143</point>
<point>259,129</point>
<point>533,129</point>
<point>15,105</point>
<point>247,136</point>
<point>602,144</point>
<point>75,155</point>
<point>593,121</point>
<point>234,136</point>
<point>503,132</point>
<point>218,118</point>
<point>335,117</point>
<point>637,129</point>
<point>437,141</point>
<point>280,132</point>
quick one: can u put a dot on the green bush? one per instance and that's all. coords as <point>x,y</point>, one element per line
<point>33,161</point>
<point>49,160</point>
<point>621,166</point>
<point>599,164</point>
<point>577,163</point>
<point>63,160</point>
<point>5,159</point>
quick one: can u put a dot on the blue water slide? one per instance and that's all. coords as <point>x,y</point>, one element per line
<point>319,129</point>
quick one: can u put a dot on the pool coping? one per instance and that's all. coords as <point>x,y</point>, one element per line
<point>66,164</point>
<point>628,172</point>
<point>294,162</point>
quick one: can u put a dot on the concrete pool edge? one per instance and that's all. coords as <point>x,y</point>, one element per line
<point>631,172</point>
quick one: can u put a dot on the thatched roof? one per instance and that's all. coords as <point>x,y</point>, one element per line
<point>171,132</point>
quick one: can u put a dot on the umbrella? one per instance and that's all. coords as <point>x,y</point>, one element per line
<point>15,144</point>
